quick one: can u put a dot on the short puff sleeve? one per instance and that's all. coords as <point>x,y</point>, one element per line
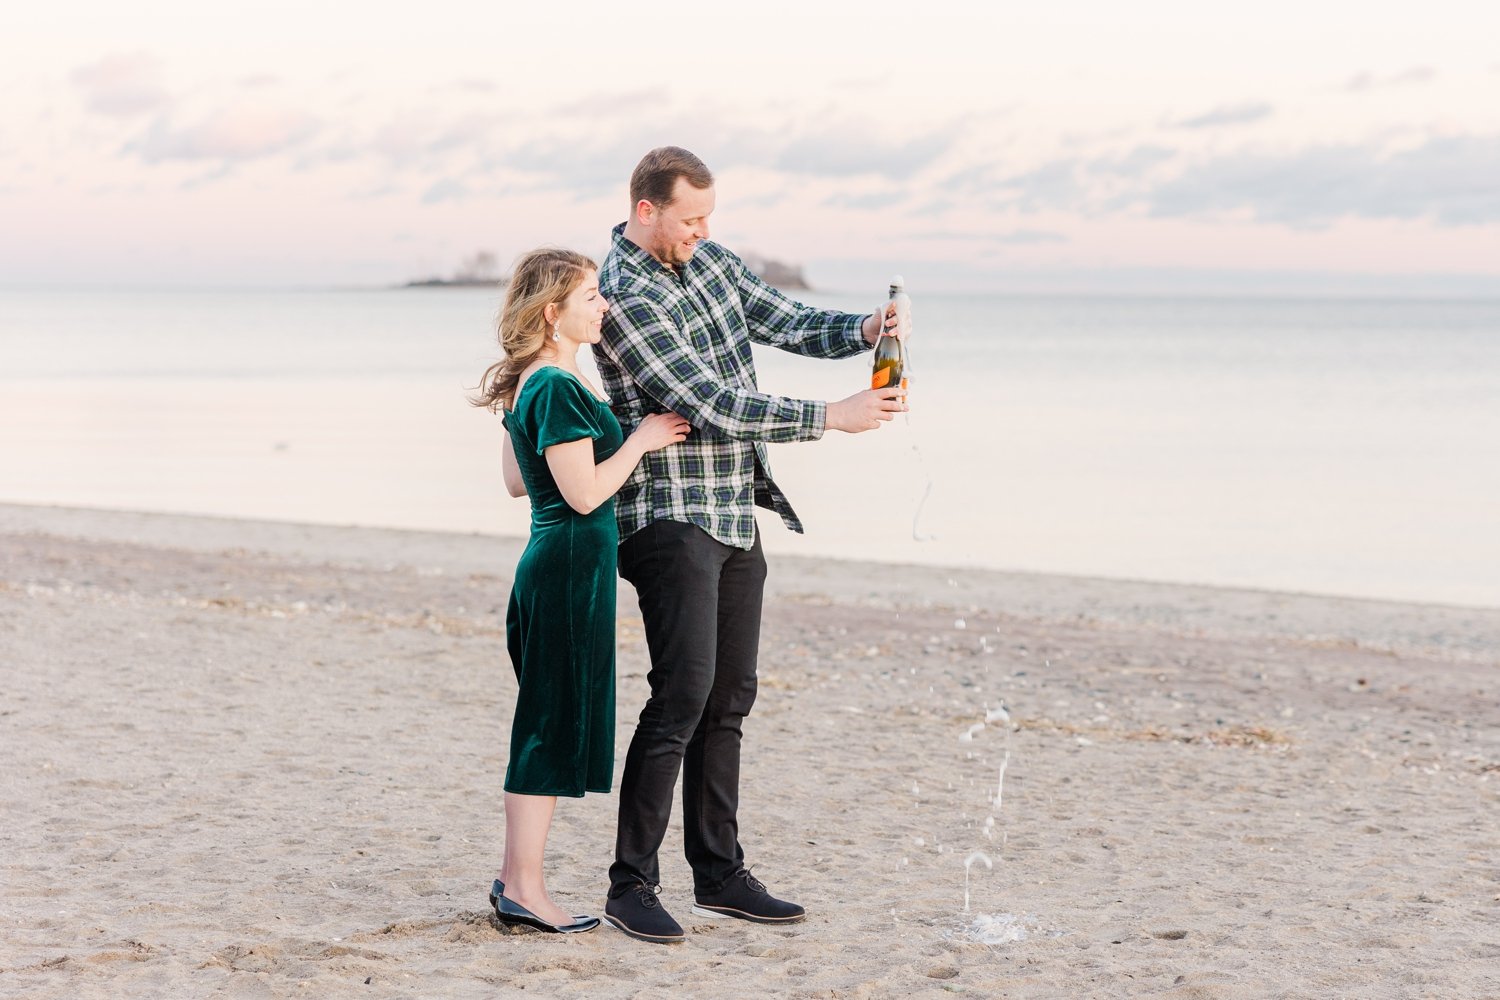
<point>560,410</point>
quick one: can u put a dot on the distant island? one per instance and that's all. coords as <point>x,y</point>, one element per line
<point>482,270</point>
<point>774,272</point>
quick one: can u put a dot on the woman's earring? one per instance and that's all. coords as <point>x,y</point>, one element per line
<point>555,334</point>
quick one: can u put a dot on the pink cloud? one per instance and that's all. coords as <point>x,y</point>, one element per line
<point>239,132</point>
<point>122,84</point>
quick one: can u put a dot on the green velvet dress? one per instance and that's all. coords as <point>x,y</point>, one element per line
<point>560,625</point>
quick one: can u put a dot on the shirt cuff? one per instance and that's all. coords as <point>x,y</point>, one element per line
<point>856,334</point>
<point>817,418</point>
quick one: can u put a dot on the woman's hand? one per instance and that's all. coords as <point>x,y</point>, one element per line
<point>659,430</point>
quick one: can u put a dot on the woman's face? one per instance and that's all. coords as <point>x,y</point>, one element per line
<point>583,311</point>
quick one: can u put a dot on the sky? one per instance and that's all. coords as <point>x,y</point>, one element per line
<point>1151,147</point>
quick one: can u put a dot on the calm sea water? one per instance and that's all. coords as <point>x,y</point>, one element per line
<point>1347,447</point>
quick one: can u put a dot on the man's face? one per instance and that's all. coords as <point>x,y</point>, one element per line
<point>678,226</point>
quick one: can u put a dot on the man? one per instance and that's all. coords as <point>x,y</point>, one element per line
<point>677,338</point>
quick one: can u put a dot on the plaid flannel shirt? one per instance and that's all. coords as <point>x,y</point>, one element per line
<point>679,340</point>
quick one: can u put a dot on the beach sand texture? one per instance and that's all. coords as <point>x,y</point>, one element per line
<point>264,760</point>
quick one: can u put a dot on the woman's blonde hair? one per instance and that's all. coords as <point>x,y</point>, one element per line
<point>543,277</point>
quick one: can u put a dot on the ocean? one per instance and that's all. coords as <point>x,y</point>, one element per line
<point>1344,447</point>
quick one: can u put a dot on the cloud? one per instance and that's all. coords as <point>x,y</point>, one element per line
<point>586,168</point>
<point>585,154</point>
<point>1228,114</point>
<point>421,140</point>
<point>979,178</point>
<point>1015,237</point>
<point>766,199</point>
<point>1070,183</point>
<point>616,104</point>
<point>1362,82</point>
<point>1134,163</point>
<point>850,154</point>
<point>617,128</point>
<point>875,199</point>
<point>412,136</point>
<point>1059,184</point>
<point>935,206</point>
<point>446,189</point>
<point>1030,237</point>
<point>237,133</point>
<point>1450,180</point>
<point>946,234</point>
<point>1417,74</point>
<point>122,85</point>
<point>218,173</point>
<point>376,192</point>
<point>599,163</point>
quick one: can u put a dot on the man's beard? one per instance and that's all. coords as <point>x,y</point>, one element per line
<point>673,254</point>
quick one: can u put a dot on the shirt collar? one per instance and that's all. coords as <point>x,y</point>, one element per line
<point>637,255</point>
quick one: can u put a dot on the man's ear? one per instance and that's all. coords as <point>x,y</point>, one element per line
<point>645,212</point>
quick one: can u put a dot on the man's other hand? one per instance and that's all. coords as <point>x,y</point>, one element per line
<point>864,411</point>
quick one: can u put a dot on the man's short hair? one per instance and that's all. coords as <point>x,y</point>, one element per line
<point>656,175</point>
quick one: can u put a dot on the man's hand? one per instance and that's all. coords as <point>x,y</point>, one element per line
<point>865,410</point>
<point>884,317</point>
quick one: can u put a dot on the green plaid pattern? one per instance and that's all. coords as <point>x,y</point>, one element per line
<point>679,340</point>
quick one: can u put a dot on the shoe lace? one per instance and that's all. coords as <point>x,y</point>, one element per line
<point>750,880</point>
<point>647,892</point>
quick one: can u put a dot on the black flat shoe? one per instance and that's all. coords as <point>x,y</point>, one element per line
<point>510,912</point>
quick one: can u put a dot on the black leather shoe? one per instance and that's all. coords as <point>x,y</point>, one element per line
<point>744,897</point>
<point>634,909</point>
<point>511,912</point>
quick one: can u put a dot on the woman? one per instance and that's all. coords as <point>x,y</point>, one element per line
<point>566,451</point>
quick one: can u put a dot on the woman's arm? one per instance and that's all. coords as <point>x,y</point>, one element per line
<point>514,484</point>
<point>585,485</point>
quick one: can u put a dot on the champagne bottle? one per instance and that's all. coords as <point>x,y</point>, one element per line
<point>890,353</point>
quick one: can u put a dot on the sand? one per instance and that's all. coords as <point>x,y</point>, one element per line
<point>264,760</point>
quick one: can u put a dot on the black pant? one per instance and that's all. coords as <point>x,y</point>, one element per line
<point>700,600</point>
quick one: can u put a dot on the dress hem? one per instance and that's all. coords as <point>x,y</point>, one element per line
<point>563,795</point>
